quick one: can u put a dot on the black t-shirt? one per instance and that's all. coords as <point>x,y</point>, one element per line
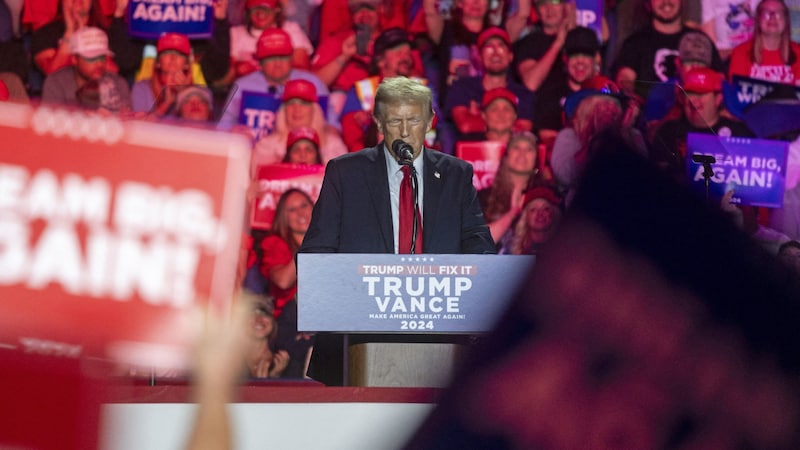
<point>460,46</point>
<point>652,56</point>
<point>669,143</point>
<point>534,46</point>
<point>548,110</point>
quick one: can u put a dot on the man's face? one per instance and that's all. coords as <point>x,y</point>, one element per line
<point>408,122</point>
<point>276,69</point>
<point>367,17</point>
<point>702,110</point>
<point>580,67</point>
<point>90,69</point>
<point>496,56</point>
<point>666,11</point>
<point>500,116</point>
<point>298,113</point>
<point>552,15</point>
<point>397,61</point>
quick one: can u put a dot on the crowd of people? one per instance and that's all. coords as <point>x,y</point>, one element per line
<point>521,73</point>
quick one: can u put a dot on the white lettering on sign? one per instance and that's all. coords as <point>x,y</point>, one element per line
<point>446,286</point>
<point>61,230</point>
<point>50,348</point>
<point>418,304</point>
<point>77,125</point>
<point>259,118</point>
<point>169,13</point>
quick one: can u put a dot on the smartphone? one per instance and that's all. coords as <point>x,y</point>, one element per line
<point>363,35</point>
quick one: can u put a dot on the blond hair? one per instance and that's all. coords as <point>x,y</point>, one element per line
<point>402,90</point>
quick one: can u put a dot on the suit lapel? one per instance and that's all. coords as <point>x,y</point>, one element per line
<point>378,186</point>
<point>434,181</point>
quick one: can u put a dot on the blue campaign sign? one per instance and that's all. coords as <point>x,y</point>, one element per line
<point>149,19</point>
<point>744,91</point>
<point>755,169</point>
<point>258,111</point>
<point>364,293</point>
<point>589,14</point>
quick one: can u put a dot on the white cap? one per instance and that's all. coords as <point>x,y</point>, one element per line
<point>89,42</point>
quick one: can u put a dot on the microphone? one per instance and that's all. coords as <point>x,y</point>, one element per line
<point>404,151</point>
<point>704,159</point>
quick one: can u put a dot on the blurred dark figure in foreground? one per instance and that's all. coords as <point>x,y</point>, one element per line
<point>789,254</point>
<point>650,322</point>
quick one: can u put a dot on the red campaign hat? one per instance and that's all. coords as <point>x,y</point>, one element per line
<point>496,93</point>
<point>174,41</point>
<point>4,94</point>
<point>302,89</point>
<point>301,133</point>
<point>602,84</point>
<point>542,192</point>
<point>494,32</point>
<point>274,42</point>
<point>702,80</point>
<point>268,3</point>
<point>355,5</point>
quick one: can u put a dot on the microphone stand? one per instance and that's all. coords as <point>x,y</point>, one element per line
<point>708,172</point>
<point>414,192</point>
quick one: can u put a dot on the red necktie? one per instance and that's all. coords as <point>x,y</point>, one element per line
<point>407,216</point>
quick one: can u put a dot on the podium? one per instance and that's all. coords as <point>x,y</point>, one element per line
<point>400,320</point>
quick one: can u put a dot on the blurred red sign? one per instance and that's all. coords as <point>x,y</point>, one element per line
<point>485,159</point>
<point>275,179</point>
<point>112,231</point>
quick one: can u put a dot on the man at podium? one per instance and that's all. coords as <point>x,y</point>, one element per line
<point>397,197</point>
<point>359,209</point>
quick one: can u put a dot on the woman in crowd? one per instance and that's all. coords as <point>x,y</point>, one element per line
<point>260,15</point>
<point>591,112</point>
<point>770,55</point>
<point>50,43</point>
<point>537,223</point>
<point>292,216</point>
<point>502,201</point>
<point>299,108</point>
<point>194,104</point>
<point>262,358</point>
<point>302,147</point>
<point>456,39</point>
<point>289,226</point>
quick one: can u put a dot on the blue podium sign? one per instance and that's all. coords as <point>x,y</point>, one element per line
<point>365,293</point>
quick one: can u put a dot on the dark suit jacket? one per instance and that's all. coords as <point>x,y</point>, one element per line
<point>353,212</point>
<point>353,215</point>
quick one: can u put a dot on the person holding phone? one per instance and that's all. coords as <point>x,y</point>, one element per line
<point>345,57</point>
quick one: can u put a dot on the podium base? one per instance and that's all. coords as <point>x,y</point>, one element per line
<point>391,364</point>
